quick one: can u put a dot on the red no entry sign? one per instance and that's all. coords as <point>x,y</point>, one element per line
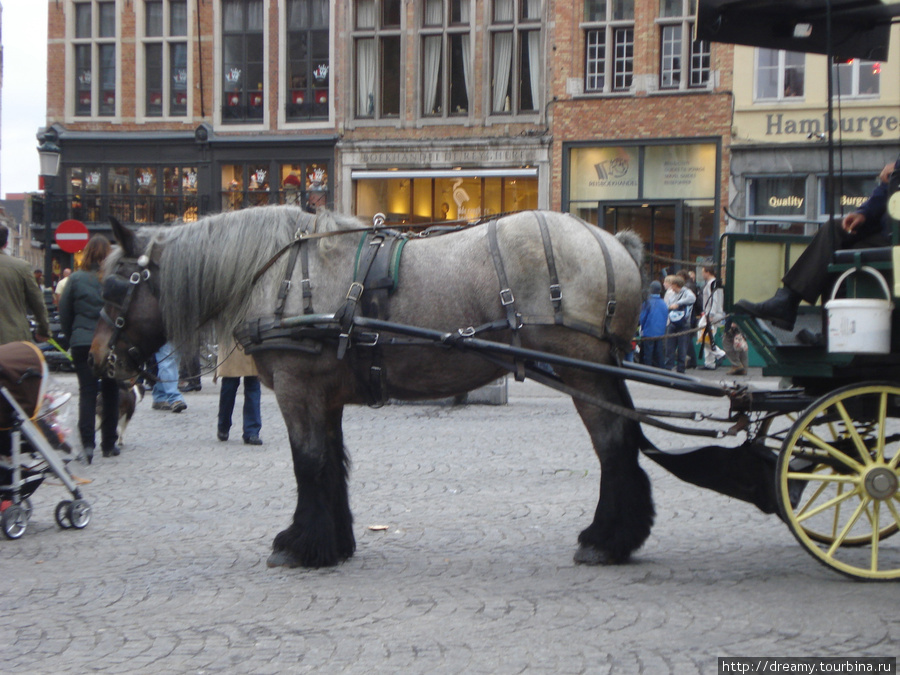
<point>72,235</point>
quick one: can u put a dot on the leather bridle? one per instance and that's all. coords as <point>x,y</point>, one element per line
<point>118,290</point>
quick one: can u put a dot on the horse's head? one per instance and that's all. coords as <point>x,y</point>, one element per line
<point>131,327</point>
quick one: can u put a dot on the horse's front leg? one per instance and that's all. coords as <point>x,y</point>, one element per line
<point>624,513</point>
<point>321,534</point>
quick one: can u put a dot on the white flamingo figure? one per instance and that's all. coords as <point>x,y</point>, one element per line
<point>460,196</point>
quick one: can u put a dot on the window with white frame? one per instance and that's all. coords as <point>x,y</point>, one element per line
<point>516,67</point>
<point>446,58</point>
<point>609,45</point>
<point>779,75</point>
<point>165,58</point>
<point>683,63</point>
<point>857,78</point>
<point>377,52</point>
<point>243,40</point>
<point>308,69</point>
<point>94,54</point>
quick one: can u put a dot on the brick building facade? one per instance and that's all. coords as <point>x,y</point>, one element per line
<point>423,110</point>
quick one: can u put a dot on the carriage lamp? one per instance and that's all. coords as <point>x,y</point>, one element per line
<point>50,154</point>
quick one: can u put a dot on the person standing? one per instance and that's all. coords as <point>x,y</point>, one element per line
<point>678,333</point>
<point>654,316</point>
<point>165,391</point>
<point>233,365</point>
<point>20,295</point>
<point>713,299</point>
<point>79,311</point>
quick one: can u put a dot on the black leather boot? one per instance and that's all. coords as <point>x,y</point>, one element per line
<point>780,309</point>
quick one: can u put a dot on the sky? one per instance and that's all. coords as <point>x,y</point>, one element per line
<point>24,93</point>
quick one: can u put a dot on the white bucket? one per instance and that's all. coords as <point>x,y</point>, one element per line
<point>859,325</point>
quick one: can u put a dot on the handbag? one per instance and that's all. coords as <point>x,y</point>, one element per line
<point>676,315</point>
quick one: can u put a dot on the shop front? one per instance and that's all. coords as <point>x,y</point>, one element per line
<point>666,191</point>
<point>427,185</point>
<point>781,189</point>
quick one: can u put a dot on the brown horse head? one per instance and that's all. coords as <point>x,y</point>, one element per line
<point>131,327</point>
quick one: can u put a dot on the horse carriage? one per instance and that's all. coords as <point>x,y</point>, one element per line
<point>336,312</point>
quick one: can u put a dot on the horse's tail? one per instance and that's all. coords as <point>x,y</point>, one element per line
<point>633,244</point>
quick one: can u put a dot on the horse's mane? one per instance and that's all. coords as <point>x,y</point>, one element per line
<point>207,267</point>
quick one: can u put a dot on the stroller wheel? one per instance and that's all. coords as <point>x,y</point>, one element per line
<point>15,521</point>
<point>26,504</point>
<point>63,518</point>
<point>79,514</point>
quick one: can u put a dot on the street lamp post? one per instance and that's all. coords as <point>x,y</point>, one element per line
<point>49,153</point>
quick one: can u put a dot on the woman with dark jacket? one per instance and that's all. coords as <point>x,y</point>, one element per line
<point>79,311</point>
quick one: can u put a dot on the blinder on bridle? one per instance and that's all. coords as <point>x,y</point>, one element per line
<point>118,291</point>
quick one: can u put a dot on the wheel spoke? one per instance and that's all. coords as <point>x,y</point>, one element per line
<point>854,434</point>
<point>893,509</point>
<point>882,425</point>
<point>876,538</point>
<point>833,452</point>
<point>830,478</point>
<point>850,523</point>
<point>834,501</point>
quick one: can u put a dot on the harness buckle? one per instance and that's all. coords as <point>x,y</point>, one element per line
<point>306,286</point>
<point>135,278</point>
<point>555,293</point>
<point>506,297</point>
<point>120,322</point>
<point>466,332</point>
<point>366,339</point>
<point>611,308</point>
<point>355,291</point>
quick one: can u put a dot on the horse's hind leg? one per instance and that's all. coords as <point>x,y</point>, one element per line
<point>321,534</point>
<point>624,512</point>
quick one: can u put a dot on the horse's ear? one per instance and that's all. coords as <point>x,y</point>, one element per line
<point>124,236</point>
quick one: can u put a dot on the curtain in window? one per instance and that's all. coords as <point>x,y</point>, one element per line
<point>431,68</point>
<point>466,55</point>
<point>255,15</point>
<point>232,12</point>
<point>533,11</point>
<point>365,61</point>
<point>503,42</point>
<point>365,77</point>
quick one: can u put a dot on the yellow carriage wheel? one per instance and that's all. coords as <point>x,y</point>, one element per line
<point>839,481</point>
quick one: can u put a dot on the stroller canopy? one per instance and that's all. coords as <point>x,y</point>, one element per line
<point>22,375</point>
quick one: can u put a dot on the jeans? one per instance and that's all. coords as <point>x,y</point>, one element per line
<point>677,346</point>
<point>653,353</point>
<point>166,389</point>
<point>88,387</point>
<point>252,395</point>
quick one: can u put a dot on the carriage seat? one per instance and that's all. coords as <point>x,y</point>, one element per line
<point>864,256</point>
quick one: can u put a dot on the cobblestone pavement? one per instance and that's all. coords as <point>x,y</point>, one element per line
<point>473,573</point>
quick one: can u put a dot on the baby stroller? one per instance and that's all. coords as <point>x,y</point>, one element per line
<point>29,441</point>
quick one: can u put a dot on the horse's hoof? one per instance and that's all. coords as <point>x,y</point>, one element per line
<point>588,555</point>
<point>282,559</point>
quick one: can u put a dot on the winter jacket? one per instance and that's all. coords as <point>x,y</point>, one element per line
<point>654,315</point>
<point>79,307</point>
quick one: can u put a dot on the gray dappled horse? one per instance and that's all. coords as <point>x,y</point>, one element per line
<point>206,274</point>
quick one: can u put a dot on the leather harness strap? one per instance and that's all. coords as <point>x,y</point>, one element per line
<point>507,299</point>
<point>555,288</point>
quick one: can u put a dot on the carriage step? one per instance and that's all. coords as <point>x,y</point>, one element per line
<point>807,332</point>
